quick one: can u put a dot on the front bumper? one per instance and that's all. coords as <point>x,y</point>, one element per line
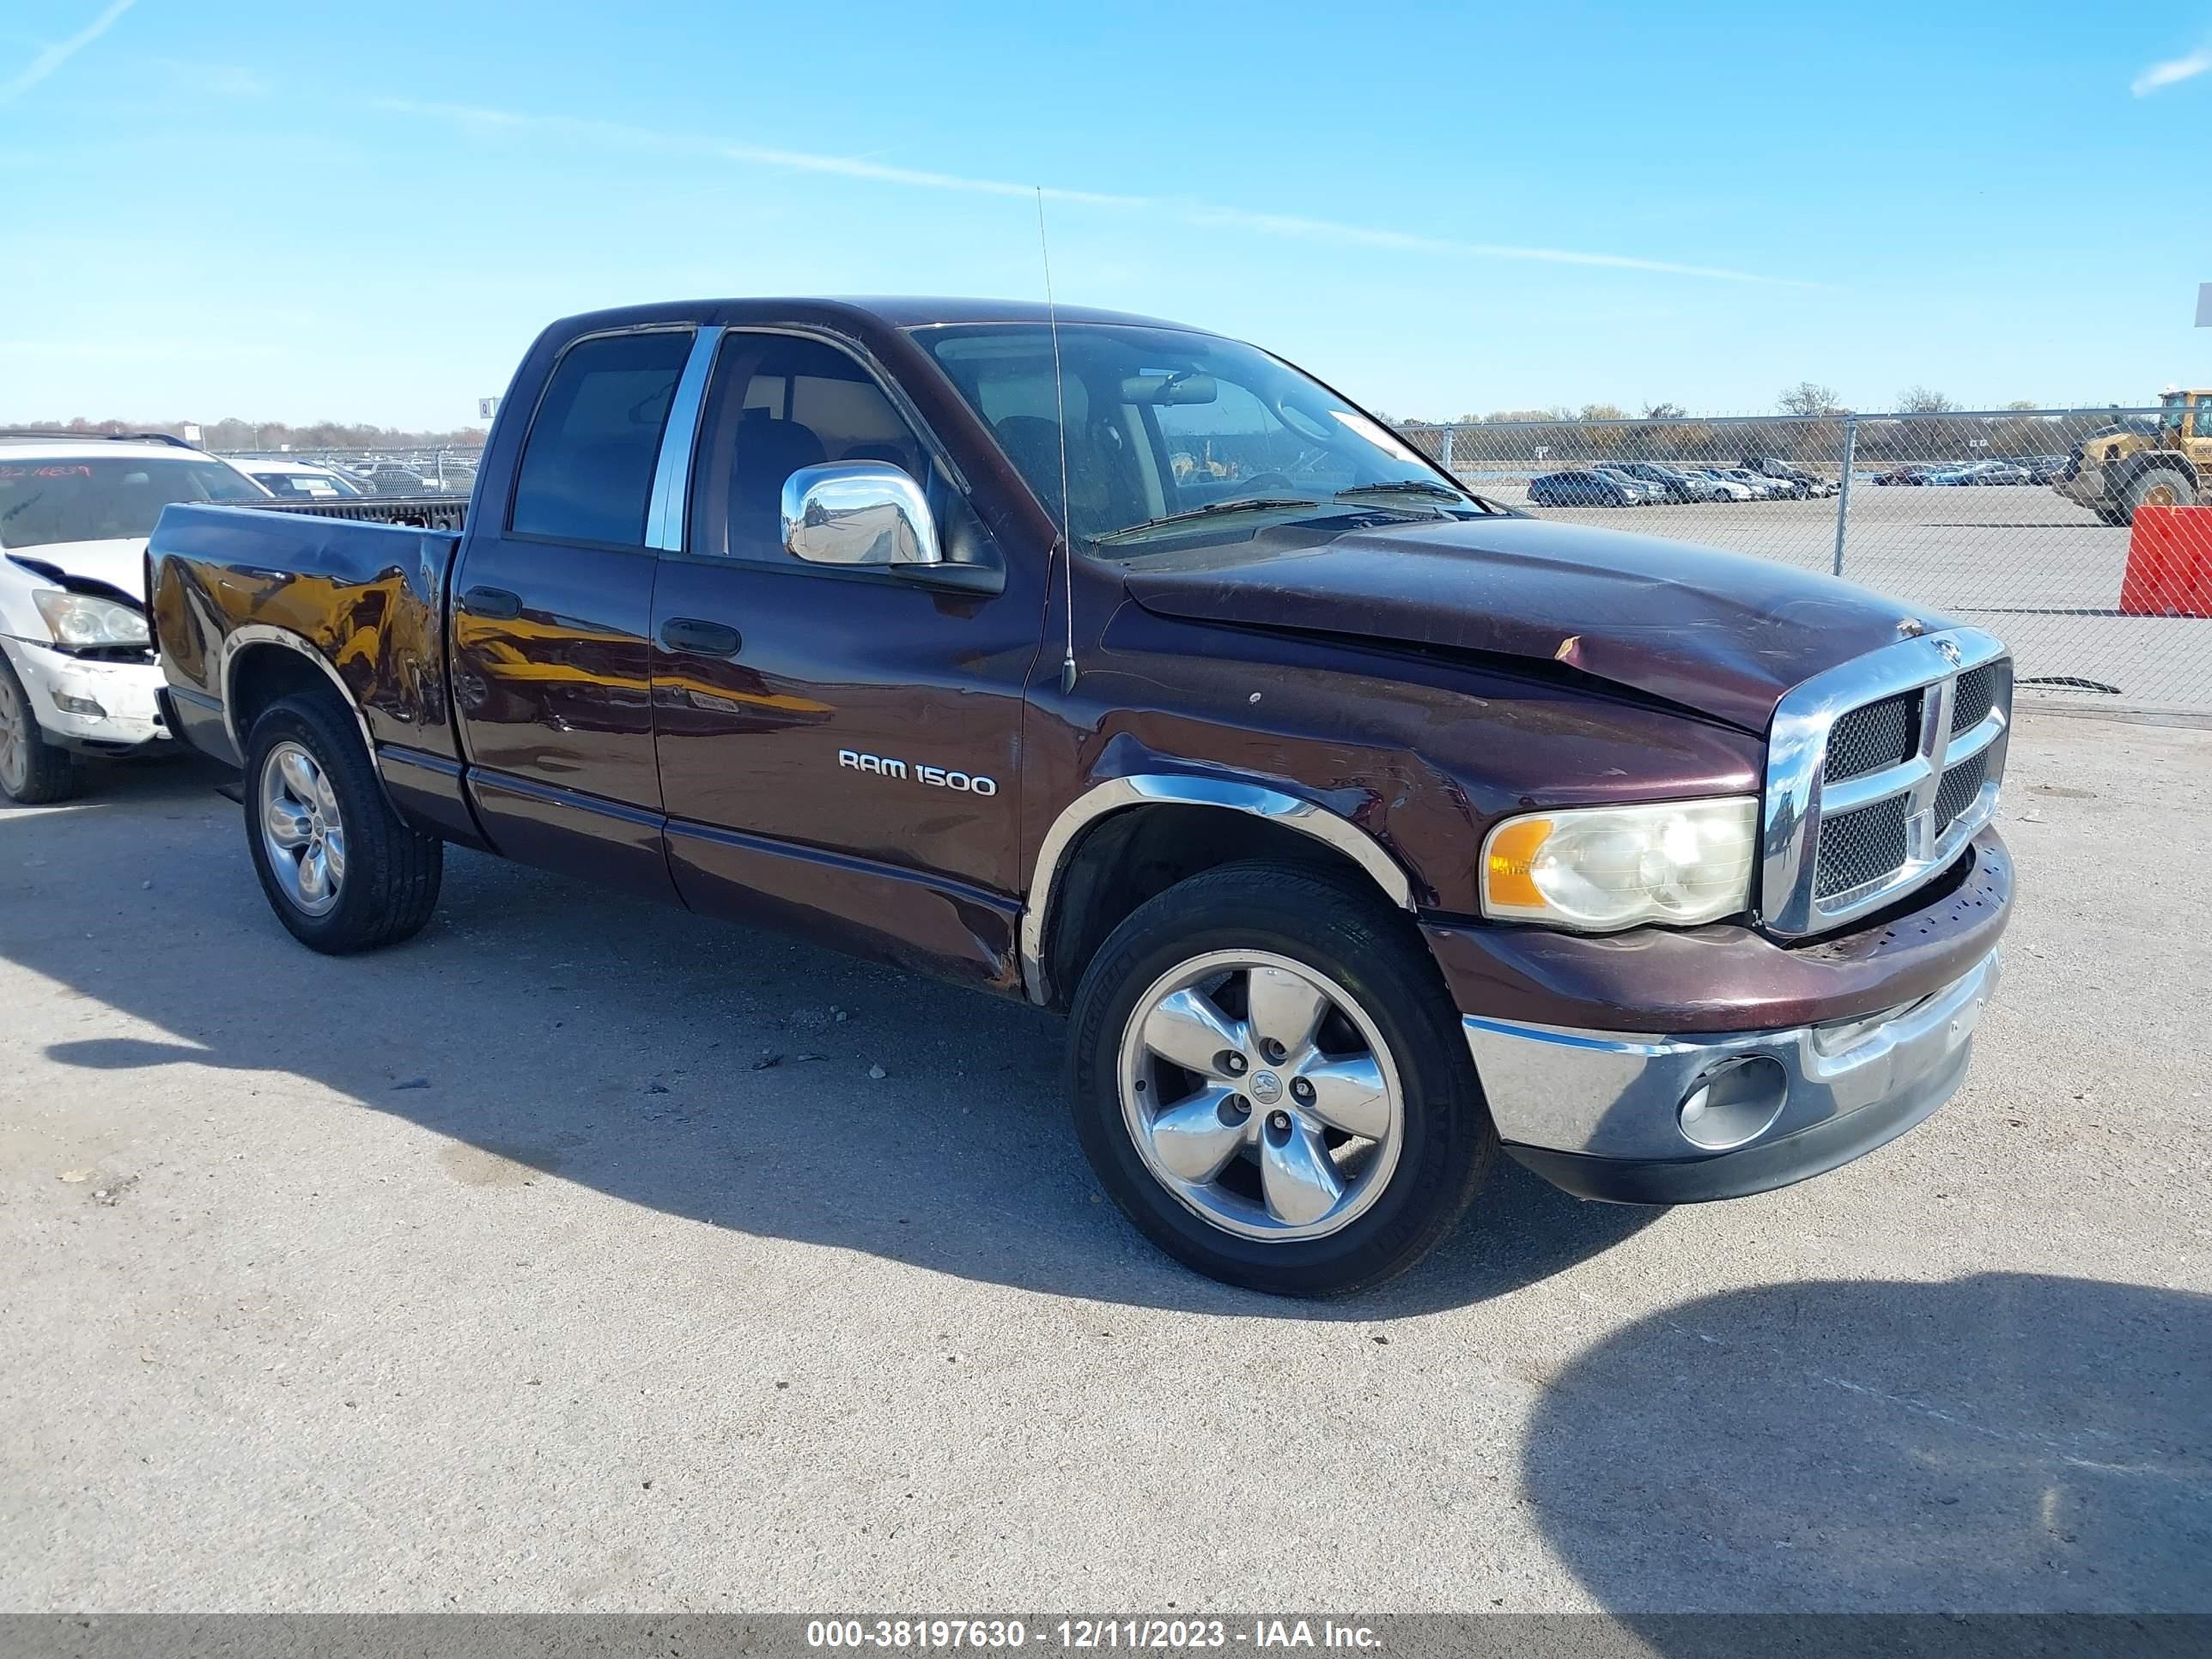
<point>1600,1113</point>
<point>99,708</point>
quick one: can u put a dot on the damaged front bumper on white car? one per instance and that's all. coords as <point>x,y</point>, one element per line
<point>92,705</point>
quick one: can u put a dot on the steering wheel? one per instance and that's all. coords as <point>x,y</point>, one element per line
<point>1267,481</point>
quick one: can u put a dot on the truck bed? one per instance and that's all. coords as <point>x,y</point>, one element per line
<point>360,584</point>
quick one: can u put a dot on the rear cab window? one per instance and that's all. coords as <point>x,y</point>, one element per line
<point>587,463</point>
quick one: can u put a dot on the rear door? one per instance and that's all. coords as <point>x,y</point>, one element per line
<point>837,744</point>
<point>552,605</point>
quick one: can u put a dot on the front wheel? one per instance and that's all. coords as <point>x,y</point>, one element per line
<point>2158,486</point>
<point>343,871</point>
<point>32,771</point>
<point>1269,1078</point>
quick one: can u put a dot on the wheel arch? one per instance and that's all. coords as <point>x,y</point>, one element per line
<point>260,663</point>
<point>2129,467</point>
<point>1124,840</point>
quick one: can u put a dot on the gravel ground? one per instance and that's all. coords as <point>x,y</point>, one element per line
<point>502,1271</point>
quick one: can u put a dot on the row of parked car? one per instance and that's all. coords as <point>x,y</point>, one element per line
<point>330,480</point>
<point>2014,470</point>
<point>1641,483</point>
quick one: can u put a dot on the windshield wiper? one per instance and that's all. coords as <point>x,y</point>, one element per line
<point>1249,504</point>
<point>1403,487</point>
<point>1422,487</point>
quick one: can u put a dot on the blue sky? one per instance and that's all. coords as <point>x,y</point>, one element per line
<point>295,212</point>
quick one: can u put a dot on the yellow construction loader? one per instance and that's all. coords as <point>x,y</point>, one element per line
<point>2160,460</point>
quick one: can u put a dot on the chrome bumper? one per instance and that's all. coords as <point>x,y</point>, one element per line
<point>1595,1099</point>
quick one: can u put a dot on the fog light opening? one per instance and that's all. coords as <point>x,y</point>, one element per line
<point>1734,1103</point>
<point>85,706</point>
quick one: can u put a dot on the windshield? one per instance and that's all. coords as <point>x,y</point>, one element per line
<point>105,498</point>
<point>1166,422</point>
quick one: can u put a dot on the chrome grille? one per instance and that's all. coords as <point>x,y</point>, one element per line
<point>1975,694</point>
<point>1857,848</point>
<point>1864,740</point>
<point>1879,772</point>
<point>1962,785</point>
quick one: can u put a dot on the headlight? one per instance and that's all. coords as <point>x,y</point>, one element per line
<point>81,622</point>
<point>1599,868</point>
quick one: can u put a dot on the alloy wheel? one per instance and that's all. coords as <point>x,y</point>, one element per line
<point>15,742</point>
<point>1261,1095</point>
<point>301,829</point>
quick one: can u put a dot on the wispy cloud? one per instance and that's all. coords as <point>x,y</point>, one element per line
<point>1192,212</point>
<point>62,50</point>
<point>2173,71</point>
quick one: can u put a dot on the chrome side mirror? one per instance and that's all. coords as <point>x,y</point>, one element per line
<point>858,512</point>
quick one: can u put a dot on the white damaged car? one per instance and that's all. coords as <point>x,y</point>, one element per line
<point>77,674</point>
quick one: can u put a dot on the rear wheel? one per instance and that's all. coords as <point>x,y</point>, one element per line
<point>342,870</point>
<point>1268,1076</point>
<point>32,772</point>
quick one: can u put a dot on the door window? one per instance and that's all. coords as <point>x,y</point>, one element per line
<point>587,464</point>
<point>780,403</point>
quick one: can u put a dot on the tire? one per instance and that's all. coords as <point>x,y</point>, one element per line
<point>1400,1189</point>
<point>381,884</point>
<point>32,771</point>
<point>2156,486</point>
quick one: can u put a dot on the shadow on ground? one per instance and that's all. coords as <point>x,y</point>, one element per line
<point>674,1062</point>
<point>2007,1443</point>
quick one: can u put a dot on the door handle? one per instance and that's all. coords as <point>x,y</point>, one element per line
<point>494,604</point>
<point>704,639</point>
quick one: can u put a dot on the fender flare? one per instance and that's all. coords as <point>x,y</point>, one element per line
<point>250,634</point>
<point>1183,789</point>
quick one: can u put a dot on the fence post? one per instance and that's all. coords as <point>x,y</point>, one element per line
<point>1844,491</point>
<point>1448,447</point>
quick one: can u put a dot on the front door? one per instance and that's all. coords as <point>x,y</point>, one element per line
<point>552,604</point>
<point>838,746</point>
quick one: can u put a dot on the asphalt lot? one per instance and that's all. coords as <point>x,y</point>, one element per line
<point>491,1273</point>
<point>2020,560</point>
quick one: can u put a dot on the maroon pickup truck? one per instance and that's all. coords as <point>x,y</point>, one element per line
<point>1359,824</point>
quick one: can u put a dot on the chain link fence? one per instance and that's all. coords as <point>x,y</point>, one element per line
<point>1987,515</point>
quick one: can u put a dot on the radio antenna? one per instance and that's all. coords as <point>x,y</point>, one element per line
<point>1059,411</point>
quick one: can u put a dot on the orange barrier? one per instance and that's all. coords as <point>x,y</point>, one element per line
<point>2169,563</point>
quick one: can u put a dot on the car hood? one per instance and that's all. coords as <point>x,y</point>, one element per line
<point>1717,632</point>
<point>121,563</point>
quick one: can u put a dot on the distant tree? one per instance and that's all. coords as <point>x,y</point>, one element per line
<point>2023,403</point>
<point>1664,411</point>
<point>1808,397</point>
<point>1921,400</point>
<point>1603,412</point>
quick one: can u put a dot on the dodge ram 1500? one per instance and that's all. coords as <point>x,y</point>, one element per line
<point>1359,825</point>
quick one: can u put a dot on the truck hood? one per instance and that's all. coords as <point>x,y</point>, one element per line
<point>120,564</point>
<point>1719,633</point>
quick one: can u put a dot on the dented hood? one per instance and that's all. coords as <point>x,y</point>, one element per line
<point>1721,633</point>
<point>120,563</point>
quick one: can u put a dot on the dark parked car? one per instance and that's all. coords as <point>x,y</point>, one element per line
<point>1359,825</point>
<point>1672,482</point>
<point>1582,488</point>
